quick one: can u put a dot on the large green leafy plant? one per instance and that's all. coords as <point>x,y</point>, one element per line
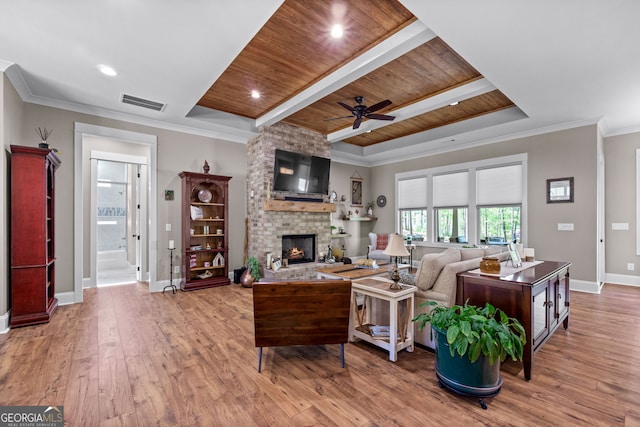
<point>476,331</point>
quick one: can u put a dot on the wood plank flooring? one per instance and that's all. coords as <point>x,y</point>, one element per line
<point>125,357</point>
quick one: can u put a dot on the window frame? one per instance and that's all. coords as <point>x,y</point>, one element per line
<point>473,221</point>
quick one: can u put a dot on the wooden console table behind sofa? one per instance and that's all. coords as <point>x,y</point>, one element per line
<point>537,296</point>
<point>307,312</point>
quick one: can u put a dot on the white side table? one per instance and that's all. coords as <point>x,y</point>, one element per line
<point>401,311</point>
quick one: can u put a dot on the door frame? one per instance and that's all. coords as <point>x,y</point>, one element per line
<point>81,129</point>
<point>140,214</point>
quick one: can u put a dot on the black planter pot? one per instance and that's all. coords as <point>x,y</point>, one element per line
<point>458,374</point>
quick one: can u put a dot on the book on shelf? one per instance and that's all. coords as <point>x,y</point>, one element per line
<point>380,331</point>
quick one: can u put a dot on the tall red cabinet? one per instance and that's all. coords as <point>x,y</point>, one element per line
<point>32,235</point>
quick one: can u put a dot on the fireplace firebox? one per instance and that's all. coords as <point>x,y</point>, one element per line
<point>299,248</point>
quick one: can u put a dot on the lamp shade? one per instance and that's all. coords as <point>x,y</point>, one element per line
<point>396,246</point>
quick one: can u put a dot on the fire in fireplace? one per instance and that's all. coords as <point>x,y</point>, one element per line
<point>299,248</point>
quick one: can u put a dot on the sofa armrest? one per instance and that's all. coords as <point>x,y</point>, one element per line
<point>446,283</point>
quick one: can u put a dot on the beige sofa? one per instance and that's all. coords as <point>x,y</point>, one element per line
<point>436,279</point>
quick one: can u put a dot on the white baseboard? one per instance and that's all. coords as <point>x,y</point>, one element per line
<point>584,286</point>
<point>160,285</point>
<point>4,322</point>
<point>86,283</point>
<point>622,279</point>
<point>65,298</point>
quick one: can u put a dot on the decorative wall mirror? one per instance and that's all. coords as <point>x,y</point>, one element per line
<point>560,190</point>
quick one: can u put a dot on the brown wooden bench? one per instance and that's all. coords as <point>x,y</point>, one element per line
<point>306,312</point>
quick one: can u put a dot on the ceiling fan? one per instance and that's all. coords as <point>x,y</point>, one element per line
<point>361,111</point>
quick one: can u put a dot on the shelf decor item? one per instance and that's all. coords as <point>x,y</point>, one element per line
<point>251,274</point>
<point>44,134</point>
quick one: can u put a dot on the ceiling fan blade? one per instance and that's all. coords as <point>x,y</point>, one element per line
<point>341,117</point>
<point>356,123</point>
<point>380,117</point>
<point>378,106</point>
<point>348,107</point>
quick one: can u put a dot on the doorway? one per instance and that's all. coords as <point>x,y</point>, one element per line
<point>116,260</point>
<point>118,215</point>
<point>115,141</point>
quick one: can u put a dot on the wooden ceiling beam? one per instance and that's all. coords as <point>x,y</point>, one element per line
<point>405,40</point>
<point>459,94</point>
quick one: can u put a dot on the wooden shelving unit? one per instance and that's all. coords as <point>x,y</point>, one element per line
<point>205,247</point>
<point>33,259</point>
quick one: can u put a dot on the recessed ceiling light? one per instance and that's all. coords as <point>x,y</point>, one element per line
<point>337,31</point>
<point>454,103</point>
<point>255,94</point>
<point>106,70</point>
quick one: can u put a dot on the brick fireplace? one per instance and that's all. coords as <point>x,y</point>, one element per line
<point>265,228</point>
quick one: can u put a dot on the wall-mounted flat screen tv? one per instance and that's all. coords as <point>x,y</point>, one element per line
<point>301,173</point>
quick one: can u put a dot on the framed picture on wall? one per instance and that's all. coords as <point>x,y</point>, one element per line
<point>560,190</point>
<point>356,191</point>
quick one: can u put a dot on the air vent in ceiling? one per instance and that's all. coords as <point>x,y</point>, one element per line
<point>141,102</point>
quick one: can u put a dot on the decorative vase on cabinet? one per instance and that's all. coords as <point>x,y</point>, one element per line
<point>33,289</point>
<point>204,230</point>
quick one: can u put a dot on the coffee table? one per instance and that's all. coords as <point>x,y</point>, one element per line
<point>352,272</point>
<point>401,311</point>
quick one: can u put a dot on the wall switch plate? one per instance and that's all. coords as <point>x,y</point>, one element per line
<point>565,226</point>
<point>631,266</point>
<point>619,225</point>
<point>168,227</point>
<point>176,269</point>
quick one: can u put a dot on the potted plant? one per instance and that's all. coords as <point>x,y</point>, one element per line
<point>252,273</point>
<point>470,343</point>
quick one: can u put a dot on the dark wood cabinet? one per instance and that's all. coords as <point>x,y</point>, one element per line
<point>537,296</point>
<point>205,228</point>
<point>33,298</point>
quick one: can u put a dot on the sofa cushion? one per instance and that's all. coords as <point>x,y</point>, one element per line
<point>432,264</point>
<point>470,253</point>
<point>382,240</point>
<point>491,251</point>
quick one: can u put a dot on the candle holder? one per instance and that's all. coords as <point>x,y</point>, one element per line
<point>170,285</point>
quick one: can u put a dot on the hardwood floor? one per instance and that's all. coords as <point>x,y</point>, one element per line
<point>127,357</point>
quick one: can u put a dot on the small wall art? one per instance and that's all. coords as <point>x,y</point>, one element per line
<point>168,194</point>
<point>356,189</point>
<point>560,190</point>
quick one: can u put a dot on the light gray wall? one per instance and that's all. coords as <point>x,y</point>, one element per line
<point>620,203</point>
<point>176,152</point>
<point>553,155</point>
<point>10,134</point>
<point>340,182</point>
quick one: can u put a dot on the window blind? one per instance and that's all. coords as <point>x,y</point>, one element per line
<point>412,193</point>
<point>499,185</point>
<point>451,189</point>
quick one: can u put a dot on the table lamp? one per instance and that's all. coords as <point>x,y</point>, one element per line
<point>395,248</point>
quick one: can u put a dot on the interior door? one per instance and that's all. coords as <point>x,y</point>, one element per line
<point>142,230</point>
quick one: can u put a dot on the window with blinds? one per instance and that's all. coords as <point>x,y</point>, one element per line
<point>482,202</point>
<point>412,206</point>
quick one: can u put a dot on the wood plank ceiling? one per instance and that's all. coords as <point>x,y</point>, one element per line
<point>294,50</point>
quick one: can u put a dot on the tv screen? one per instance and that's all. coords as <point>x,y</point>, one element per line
<point>301,173</point>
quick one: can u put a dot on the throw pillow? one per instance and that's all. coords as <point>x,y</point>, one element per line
<point>407,279</point>
<point>382,240</point>
<point>432,264</point>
